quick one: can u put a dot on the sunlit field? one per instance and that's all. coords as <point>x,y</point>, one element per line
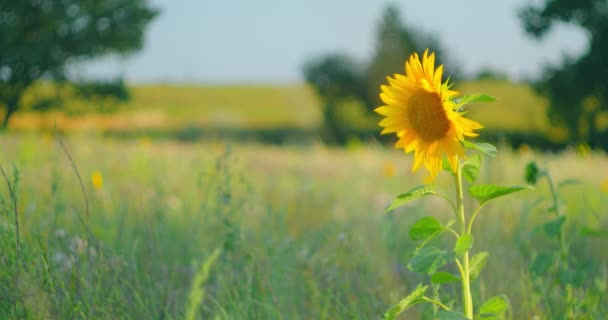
<point>170,107</point>
<point>196,160</point>
<point>299,230</point>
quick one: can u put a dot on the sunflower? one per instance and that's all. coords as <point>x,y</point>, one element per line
<point>421,111</point>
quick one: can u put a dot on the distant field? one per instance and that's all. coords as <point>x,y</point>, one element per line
<point>162,107</point>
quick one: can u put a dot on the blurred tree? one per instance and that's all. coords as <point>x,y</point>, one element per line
<point>491,74</point>
<point>578,89</point>
<point>395,41</point>
<point>337,78</point>
<point>40,38</point>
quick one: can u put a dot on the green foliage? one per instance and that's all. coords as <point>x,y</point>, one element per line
<point>425,228</point>
<point>297,248</point>
<point>478,262</point>
<point>415,193</point>
<point>553,228</point>
<point>196,291</point>
<point>558,270</point>
<point>463,244</point>
<point>337,77</point>
<point>576,88</point>
<point>39,38</point>
<point>413,298</point>
<point>470,168</point>
<point>429,259</point>
<point>443,277</point>
<point>475,97</point>
<point>486,192</point>
<point>494,308</point>
<point>484,148</point>
<point>531,173</point>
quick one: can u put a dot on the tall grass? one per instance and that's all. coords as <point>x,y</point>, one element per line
<point>300,229</point>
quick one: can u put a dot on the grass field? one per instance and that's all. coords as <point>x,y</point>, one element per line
<point>300,231</point>
<point>96,227</point>
<point>165,107</point>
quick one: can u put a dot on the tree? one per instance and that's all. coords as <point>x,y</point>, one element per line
<point>578,89</point>
<point>337,78</point>
<point>395,41</point>
<point>39,39</point>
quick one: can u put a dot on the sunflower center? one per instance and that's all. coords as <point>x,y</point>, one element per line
<point>427,116</point>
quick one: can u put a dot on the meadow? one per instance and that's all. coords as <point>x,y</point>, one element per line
<point>101,227</point>
<point>172,107</point>
<point>299,231</point>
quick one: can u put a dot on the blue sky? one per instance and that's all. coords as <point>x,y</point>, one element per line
<point>267,41</point>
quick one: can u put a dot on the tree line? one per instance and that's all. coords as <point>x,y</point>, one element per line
<point>577,89</point>
<point>40,39</point>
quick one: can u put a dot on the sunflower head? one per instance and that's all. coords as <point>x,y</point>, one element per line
<point>420,110</point>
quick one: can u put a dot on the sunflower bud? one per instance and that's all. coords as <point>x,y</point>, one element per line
<point>532,173</point>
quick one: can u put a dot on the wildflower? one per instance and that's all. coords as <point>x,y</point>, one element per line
<point>97,180</point>
<point>524,148</point>
<point>604,186</point>
<point>421,111</point>
<point>389,170</point>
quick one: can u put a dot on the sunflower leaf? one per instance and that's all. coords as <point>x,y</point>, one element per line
<point>470,168</point>
<point>425,227</point>
<point>484,148</point>
<point>443,277</point>
<point>431,236</point>
<point>568,182</point>
<point>478,262</point>
<point>445,165</point>
<point>418,192</point>
<point>475,97</point>
<point>494,308</point>
<point>593,232</point>
<point>486,192</point>
<point>464,243</point>
<point>413,298</point>
<point>429,260</point>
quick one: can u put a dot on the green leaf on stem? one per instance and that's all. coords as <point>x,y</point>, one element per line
<point>475,97</point>
<point>431,236</point>
<point>477,263</point>
<point>445,165</point>
<point>532,173</point>
<point>494,308</point>
<point>442,277</point>
<point>429,260</point>
<point>450,315</point>
<point>413,298</point>
<point>484,148</point>
<point>568,182</point>
<point>486,192</point>
<point>425,227</point>
<point>464,243</point>
<point>541,264</point>
<point>590,232</point>
<point>553,228</point>
<point>418,192</point>
<point>470,168</point>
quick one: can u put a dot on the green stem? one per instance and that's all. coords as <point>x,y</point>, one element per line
<point>470,228</point>
<point>467,299</point>
<point>438,303</point>
<point>563,246</point>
